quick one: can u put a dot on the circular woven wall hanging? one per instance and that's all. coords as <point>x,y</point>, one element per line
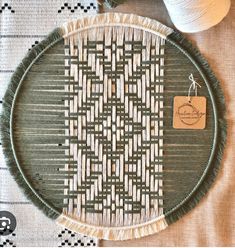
<point>114,126</point>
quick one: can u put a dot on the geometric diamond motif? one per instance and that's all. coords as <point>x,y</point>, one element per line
<point>115,120</point>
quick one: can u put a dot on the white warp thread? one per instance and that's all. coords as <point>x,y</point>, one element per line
<point>197,15</point>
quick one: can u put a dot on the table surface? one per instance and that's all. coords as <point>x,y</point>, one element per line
<point>212,222</point>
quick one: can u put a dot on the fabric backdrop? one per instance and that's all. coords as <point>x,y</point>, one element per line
<point>212,222</point>
<point>23,23</point>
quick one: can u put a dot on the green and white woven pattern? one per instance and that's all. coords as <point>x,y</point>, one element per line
<point>87,126</point>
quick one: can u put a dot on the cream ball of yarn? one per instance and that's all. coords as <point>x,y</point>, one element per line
<point>196,15</point>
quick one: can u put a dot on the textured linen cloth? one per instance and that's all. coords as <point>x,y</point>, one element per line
<point>24,23</point>
<point>212,221</point>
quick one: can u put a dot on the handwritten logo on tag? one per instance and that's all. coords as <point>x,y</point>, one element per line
<point>189,114</point>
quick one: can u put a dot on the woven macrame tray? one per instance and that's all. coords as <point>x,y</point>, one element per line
<point>87,126</point>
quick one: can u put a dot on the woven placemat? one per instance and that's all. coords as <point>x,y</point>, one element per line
<point>96,133</point>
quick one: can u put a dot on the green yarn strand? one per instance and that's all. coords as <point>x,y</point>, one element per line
<point>113,3</point>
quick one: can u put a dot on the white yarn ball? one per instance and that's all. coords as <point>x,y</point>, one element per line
<point>196,15</point>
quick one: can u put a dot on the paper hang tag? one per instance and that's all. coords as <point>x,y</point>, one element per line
<point>189,114</point>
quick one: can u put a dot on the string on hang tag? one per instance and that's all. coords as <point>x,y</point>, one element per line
<point>193,86</point>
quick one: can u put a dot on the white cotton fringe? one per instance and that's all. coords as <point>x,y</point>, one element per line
<point>196,15</point>
<point>113,233</point>
<point>117,19</point>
